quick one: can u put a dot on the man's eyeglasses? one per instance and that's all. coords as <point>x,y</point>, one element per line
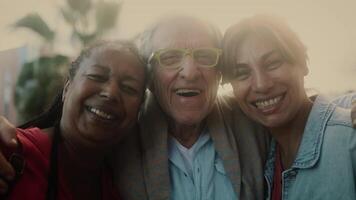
<point>173,58</point>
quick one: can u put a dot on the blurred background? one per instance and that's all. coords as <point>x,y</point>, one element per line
<point>38,38</point>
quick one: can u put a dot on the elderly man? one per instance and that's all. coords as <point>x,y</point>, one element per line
<point>190,145</point>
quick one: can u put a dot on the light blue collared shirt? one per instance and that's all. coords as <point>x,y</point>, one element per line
<point>200,175</point>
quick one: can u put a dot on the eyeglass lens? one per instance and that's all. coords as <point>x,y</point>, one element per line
<point>204,57</point>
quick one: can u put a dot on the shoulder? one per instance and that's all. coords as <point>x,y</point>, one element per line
<point>326,112</point>
<point>338,128</point>
<point>34,141</point>
<point>345,100</point>
<point>341,117</point>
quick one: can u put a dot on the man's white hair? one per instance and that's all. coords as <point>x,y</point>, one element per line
<point>145,39</point>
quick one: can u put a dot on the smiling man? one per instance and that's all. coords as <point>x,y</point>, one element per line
<point>193,145</point>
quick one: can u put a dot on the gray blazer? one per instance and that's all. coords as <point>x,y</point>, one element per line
<point>141,160</point>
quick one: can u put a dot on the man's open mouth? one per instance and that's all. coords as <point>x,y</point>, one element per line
<point>187,92</point>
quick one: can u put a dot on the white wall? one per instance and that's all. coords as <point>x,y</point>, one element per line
<point>328,28</point>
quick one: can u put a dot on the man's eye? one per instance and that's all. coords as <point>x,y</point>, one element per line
<point>241,73</point>
<point>274,64</point>
<point>97,77</point>
<point>170,59</point>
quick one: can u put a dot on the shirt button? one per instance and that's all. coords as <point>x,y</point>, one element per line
<point>186,175</point>
<point>293,174</point>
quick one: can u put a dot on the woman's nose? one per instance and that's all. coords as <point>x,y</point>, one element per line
<point>110,91</point>
<point>262,82</point>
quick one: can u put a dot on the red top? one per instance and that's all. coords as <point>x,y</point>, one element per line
<point>277,177</point>
<point>32,184</point>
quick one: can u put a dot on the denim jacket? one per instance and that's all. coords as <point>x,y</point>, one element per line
<point>325,165</point>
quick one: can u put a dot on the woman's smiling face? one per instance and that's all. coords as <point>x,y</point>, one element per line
<point>268,88</point>
<point>102,100</point>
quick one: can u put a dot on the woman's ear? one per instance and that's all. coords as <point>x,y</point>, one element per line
<point>65,89</point>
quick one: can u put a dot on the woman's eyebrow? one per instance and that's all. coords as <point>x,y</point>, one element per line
<point>102,67</point>
<point>131,78</point>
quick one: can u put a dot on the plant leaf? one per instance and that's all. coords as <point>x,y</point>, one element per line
<point>81,6</point>
<point>34,22</point>
<point>85,38</point>
<point>106,15</point>
<point>68,16</point>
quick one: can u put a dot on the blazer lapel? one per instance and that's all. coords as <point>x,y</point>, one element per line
<point>153,131</point>
<point>225,144</point>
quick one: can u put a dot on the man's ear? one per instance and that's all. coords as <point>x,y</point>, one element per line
<point>219,77</point>
<point>305,68</point>
<point>65,89</point>
<point>150,82</point>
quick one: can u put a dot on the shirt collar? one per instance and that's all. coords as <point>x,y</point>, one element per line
<point>173,152</point>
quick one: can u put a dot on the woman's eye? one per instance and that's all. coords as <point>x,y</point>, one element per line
<point>129,89</point>
<point>241,73</point>
<point>97,77</point>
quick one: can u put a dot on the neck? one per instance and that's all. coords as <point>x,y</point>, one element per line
<point>81,154</point>
<point>186,135</point>
<point>289,135</point>
<point>81,157</point>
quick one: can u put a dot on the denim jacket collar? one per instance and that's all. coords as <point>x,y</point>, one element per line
<point>310,147</point>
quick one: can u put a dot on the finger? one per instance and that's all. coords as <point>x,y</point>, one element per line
<point>6,169</point>
<point>3,187</point>
<point>353,113</point>
<point>7,133</point>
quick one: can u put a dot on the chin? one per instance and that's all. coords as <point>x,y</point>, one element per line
<point>189,121</point>
<point>275,123</point>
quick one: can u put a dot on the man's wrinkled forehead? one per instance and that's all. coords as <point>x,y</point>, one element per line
<point>183,33</point>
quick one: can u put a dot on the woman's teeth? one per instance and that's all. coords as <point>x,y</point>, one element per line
<point>101,113</point>
<point>268,102</point>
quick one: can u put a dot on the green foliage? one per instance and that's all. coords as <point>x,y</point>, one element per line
<point>35,23</point>
<point>41,79</point>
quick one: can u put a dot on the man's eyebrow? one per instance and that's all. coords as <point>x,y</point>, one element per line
<point>268,54</point>
<point>240,65</point>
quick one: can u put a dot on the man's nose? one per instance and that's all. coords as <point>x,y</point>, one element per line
<point>189,69</point>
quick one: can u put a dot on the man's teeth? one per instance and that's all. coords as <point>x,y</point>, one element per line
<point>268,102</point>
<point>101,113</point>
<point>187,92</point>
